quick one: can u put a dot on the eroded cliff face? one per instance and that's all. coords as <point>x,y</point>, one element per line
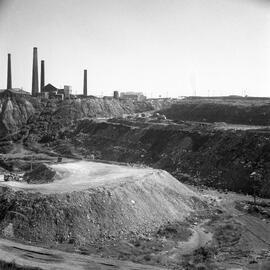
<point>48,117</point>
<point>14,113</point>
<point>19,112</point>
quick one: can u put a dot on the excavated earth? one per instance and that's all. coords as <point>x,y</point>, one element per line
<point>235,110</point>
<point>136,213</point>
<point>214,155</point>
<point>93,202</point>
<point>21,117</point>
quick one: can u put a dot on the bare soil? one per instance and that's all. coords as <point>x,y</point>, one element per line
<point>218,237</point>
<point>195,153</point>
<point>94,202</point>
<point>246,111</point>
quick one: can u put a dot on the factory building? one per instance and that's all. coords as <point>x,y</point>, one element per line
<point>51,92</point>
<point>116,94</point>
<point>135,96</point>
<point>66,91</point>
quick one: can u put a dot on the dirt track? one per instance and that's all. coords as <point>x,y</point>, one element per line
<point>48,259</point>
<point>255,234</point>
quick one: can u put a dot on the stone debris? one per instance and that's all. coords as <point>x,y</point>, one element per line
<point>8,230</point>
<point>12,177</point>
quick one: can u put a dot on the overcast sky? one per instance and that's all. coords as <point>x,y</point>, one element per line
<point>160,47</point>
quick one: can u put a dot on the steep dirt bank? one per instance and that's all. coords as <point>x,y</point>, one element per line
<point>239,111</point>
<point>43,119</point>
<point>14,113</point>
<point>193,153</point>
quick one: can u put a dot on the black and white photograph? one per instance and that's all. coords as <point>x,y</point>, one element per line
<point>134,134</point>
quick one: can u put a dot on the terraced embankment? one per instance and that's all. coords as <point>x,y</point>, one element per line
<point>198,153</point>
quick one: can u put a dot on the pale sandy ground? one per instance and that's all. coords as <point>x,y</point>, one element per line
<point>75,176</point>
<point>225,126</point>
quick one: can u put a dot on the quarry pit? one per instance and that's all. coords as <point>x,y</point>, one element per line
<point>147,197</point>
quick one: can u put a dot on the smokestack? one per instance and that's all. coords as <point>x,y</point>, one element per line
<point>85,83</point>
<point>35,73</point>
<point>42,75</point>
<point>9,79</point>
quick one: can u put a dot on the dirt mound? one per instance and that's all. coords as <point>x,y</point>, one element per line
<point>112,207</point>
<point>40,174</point>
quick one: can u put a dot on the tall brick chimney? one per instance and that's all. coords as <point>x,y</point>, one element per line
<point>35,86</point>
<point>42,75</point>
<point>85,83</point>
<point>9,78</point>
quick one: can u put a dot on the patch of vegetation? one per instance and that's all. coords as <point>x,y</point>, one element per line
<point>201,259</point>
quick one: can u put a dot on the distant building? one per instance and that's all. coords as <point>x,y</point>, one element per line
<point>108,97</point>
<point>50,91</point>
<point>49,88</point>
<point>66,91</point>
<point>116,94</point>
<point>135,96</point>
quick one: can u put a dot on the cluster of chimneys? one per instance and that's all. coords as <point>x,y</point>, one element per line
<point>35,84</point>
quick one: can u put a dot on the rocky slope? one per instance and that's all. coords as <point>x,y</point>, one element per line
<point>19,115</point>
<point>221,159</point>
<point>14,113</point>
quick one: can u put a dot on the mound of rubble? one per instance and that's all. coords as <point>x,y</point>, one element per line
<point>114,202</point>
<point>40,174</point>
